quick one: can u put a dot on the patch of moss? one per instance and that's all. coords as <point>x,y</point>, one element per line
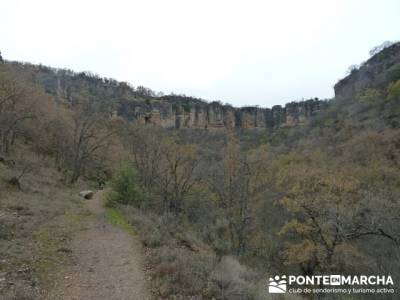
<point>115,217</point>
<point>49,259</point>
<point>76,221</point>
<point>52,243</point>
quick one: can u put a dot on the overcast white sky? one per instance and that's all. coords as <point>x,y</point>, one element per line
<point>241,52</point>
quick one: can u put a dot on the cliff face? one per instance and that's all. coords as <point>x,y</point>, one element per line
<point>143,106</point>
<point>181,112</point>
<point>185,112</point>
<point>377,72</point>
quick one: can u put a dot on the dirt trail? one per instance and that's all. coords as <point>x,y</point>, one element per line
<point>109,263</point>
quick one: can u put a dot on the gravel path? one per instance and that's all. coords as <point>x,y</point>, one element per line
<point>109,263</point>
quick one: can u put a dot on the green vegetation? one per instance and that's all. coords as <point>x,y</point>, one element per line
<point>187,106</point>
<point>125,189</point>
<point>116,218</point>
<point>393,91</point>
<point>370,96</point>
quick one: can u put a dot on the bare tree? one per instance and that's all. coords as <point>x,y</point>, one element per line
<point>235,182</point>
<point>177,171</point>
<point>17,100</point>
<point>380,47</point>
<point>144,144</point>
<point>91,135</point>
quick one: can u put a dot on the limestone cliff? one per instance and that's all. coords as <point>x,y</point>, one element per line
<point>172,111</point>
<point>185,112</point>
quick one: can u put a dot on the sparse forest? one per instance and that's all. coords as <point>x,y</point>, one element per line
<point>220,210</point>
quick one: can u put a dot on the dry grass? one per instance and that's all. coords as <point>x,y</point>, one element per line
<point>36,223</point>
<point>183,267</point>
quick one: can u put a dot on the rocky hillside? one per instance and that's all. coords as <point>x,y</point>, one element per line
<point>376,72</point>
<point>144,106</point>
<point>171,111</point>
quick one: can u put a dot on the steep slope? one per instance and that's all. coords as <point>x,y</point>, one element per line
<point>376,72</point>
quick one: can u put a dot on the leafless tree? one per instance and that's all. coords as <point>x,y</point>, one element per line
<point>91,135</point>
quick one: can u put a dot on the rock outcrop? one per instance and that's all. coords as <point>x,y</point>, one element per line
<point>185,112</point>
<point>144,106</point>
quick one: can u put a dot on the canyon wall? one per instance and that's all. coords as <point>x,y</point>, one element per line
<point>142,105</point>
<point>181,112</point>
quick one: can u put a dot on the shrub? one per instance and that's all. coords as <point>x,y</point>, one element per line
<point>187,106</point>
<point>370,95</point>
<point>181,272</point>
<point>393,73</point>
<point>393,90</point>
<point>231,280</point>
<point>125,189</point>
<point>149,225</point>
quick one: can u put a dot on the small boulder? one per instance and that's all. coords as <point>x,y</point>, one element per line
<point>86,194</point>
